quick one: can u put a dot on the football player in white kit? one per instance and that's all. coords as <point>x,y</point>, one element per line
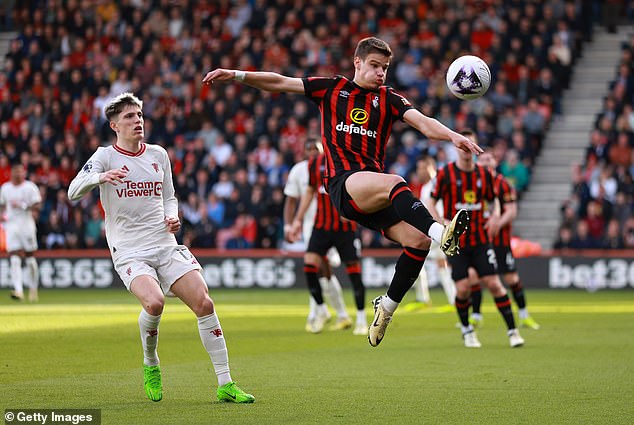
<point>295,187</point>
<point>137,194</point>
<point>20,200</point>
<point>426,172</point>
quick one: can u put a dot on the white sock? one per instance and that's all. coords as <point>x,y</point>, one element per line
<point>523,313</point>
<point>389,304</point>
<point>435,232</point>
<point>476,316</point>
<point>361,318</point>
<point>466,329</point>
<point>312,308</point>
<point>421,287</point>
<point>214,342</point>
<point>332,289</point>
<point>33,269</point>
<point>447,284</point>
<point>16,273</point>
<point>148,325</point>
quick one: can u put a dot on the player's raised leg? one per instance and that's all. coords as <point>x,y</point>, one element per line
<point>192,290</point>
<point>149,294</point>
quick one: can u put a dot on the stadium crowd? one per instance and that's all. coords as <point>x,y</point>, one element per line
<point>231,147</point>
<point>599,212</point>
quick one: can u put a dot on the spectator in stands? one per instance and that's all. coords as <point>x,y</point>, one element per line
<point>515,171</point>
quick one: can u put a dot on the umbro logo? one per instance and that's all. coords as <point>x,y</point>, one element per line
<point>344,93</point>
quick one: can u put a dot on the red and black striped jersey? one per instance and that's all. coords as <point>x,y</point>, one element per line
<point>355,123</point>
<point>326,217</point>
<point>468,190</point>
<point>506,194</point>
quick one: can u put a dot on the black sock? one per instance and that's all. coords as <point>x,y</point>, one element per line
<point>462,307</point>
<point>354,272</point>
<point>406,271</point>
<point>476,298</point>
<point>504,305</point>
<point>518,294</point>
<point>312,280</point>
<point>410,209</point>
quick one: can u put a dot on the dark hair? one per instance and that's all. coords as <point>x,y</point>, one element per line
<point>467,132</point>
<point>116,105</point>
<point>372,45</point>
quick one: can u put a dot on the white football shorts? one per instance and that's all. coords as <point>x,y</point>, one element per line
<point>165,264</point>
<point>19,238</point>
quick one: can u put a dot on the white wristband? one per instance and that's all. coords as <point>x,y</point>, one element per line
<point>240,76</point>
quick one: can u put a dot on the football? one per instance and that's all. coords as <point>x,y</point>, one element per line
<point>468,77</point>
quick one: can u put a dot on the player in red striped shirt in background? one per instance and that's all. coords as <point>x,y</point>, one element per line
<point>329,230</point>
<point>356,123</point>
<point>466,185</point>
<point>500,235</point>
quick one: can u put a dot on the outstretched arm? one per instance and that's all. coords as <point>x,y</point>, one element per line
<point>267,81</point>
<point>434,129</point>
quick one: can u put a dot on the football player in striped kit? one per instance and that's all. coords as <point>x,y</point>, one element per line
<point>356,122</point>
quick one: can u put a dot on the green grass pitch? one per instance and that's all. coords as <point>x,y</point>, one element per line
<point>81,349</point>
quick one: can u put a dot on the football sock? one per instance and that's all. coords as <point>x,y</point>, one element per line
<point>312,280</point>
<point>334,295</point>
<point>16,273</point>
<point>447,284</point>
<point>361,319</point>
<point>389,304</point>
<point>33,272</point>
<point>149,327</point>
<point>518,294</point>
<point>503,304</point>
<point>476,298</point>
<point>312,308</point>
<point>410,209</point>
<point>462,307</point>
<point>214,343</point>
<point>354,272</point>
<point>406,271</point>
<point>421,287</point>
<point>523,313</point>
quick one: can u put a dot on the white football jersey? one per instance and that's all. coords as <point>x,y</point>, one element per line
<point>296,186</point>
<point>136,208</point>
<point>18,199</point>
<point>425,194</point>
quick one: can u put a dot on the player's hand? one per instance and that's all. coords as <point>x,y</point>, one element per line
<point>463,143</point>
<point>173,224</point>
<point>287,233</point>
<point>114,177</point>
<point>492,227</point>
<point>219,75</point>
<point>296,231</point>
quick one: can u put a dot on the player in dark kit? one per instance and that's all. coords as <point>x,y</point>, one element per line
<point>329,230</point>
<point>466,185</point>
<point>500,234</point>
<point>356,121</point>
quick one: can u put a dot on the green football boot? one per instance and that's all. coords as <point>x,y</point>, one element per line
<point>152,382</point>
<point>231,392</point>
<point>529,322</point>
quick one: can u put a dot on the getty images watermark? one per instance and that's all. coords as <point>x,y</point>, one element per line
<point>52,416</point>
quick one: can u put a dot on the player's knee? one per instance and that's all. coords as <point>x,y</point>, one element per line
<point>204,307</point>
<point>155,306</point>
